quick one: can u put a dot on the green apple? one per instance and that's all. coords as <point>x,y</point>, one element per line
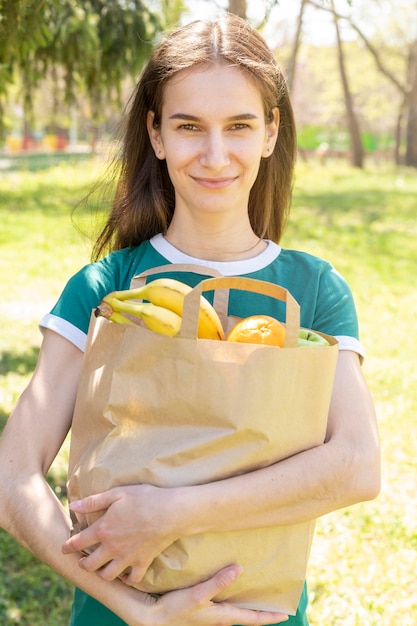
<point>309,338</point>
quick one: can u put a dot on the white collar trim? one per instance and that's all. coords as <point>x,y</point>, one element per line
<point>226,268</point>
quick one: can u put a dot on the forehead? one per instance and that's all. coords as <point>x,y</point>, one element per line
<point>210,85</point>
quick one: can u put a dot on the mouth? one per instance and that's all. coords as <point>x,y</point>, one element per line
<point>214,183</point>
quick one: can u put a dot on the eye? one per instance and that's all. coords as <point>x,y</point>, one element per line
<point>188,127</point>
<point>240,126</point>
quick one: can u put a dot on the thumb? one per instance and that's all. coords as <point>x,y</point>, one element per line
<point>226,576</point>
<point>208,589</point>
<point>94,503</point>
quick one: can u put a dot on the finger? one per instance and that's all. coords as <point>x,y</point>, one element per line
<point>207,590</point>
<point>220,581</point>
<point>113,569</point>
<point>259,618</point>
<point>133,575</point>
<point>95,503</point>
<point>97,561</point>
<point>81,542</point>
<point>201,597</point>
<point>109,568</point>
<point>224,578</point>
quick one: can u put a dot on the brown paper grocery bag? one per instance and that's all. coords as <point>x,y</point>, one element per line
<point>172,411</point>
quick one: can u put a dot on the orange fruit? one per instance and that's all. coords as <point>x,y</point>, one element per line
<point>261,329</point>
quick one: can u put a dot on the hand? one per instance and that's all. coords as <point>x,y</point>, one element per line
<point>195,606</point>
<point>137,525</point>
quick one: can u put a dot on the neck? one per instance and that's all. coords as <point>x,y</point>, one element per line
<point>218,245</point>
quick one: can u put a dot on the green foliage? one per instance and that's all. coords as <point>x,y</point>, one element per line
<point>96,44</point>
<point>362,567</point>
<point>376,100</point>
<point>31,594</point>
<point>363,559</point>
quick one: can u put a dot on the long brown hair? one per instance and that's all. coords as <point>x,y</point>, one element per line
<point>145,200</point>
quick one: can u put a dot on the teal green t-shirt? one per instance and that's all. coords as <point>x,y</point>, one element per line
<point>324,297</point>
<point>325,300</point>
<point>88,612</point>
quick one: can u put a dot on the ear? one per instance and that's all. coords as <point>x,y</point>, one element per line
<point>271,134</point>
<point>154,133</point>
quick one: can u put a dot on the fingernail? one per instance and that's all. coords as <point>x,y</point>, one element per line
<point>236,572</point>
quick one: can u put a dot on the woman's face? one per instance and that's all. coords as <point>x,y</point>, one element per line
<point>213,134</point>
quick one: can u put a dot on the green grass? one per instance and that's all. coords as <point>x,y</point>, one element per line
<point>362,567</point>
<point>363,559</point>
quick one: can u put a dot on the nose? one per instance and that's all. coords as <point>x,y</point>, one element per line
<point>215,153</point>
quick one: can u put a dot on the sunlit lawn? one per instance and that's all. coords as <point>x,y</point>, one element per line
<point>363,560</point>
<point>362,568</point>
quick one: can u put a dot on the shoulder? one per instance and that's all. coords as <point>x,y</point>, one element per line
<point>303,273</point>
<point>114,271</point>
<point>83,292</point>
<point>325,298</point>
<point>304,260</point>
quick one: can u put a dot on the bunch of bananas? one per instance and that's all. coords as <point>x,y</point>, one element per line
<point>162,311</point>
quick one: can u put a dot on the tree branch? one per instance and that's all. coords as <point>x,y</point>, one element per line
<point>382,68</point>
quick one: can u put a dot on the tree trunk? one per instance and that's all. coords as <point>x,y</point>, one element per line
<point>296,44</point>
<point>238,7</point>
<point>27,114</point>
<point>411,132</point>
<point>398,132</point>
<point>353,126</point>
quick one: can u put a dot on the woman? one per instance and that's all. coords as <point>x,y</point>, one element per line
<point>205,177</point>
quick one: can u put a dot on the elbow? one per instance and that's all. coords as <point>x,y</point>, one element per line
<point>4,523</point>
<point>365,475</point>
<point>9,485</point>
<point>358,475</point>
<point>6,519</point>
<point>370,485</point>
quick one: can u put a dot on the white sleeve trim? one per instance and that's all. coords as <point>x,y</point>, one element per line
<point>350,343</point>
<point>65,329</point>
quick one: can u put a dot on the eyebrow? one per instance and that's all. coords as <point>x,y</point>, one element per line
<point>194,118</point>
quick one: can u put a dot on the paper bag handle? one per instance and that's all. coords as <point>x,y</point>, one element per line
<point>192,303</point>
<point>221,298</point>
<point>191,268</point>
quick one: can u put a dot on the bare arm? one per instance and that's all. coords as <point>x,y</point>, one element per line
<point>30,511</point>
<point>342,471</point>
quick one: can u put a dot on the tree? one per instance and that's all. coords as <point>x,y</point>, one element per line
<point>95,44</point>
<point>404,41</point>
<point>411,132</point>
<point>238,7</point>
<point>296,44</point>
<point>353,126</point>
<point>407,86</point>
<point>22,29</point>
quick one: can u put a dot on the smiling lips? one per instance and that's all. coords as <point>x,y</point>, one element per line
<point>214,183</point>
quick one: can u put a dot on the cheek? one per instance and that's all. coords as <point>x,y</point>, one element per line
<point>252,149</point>
<point>251,155</point>
<point>178,153</point>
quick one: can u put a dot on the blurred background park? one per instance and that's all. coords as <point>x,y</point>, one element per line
<point>67,68</point>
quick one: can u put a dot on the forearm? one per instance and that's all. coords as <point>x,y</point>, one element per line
<point>29,510</point>
<point>44,528</point>
<point>301,488</point>
<point>338,473</point>
<point>34,516</point>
